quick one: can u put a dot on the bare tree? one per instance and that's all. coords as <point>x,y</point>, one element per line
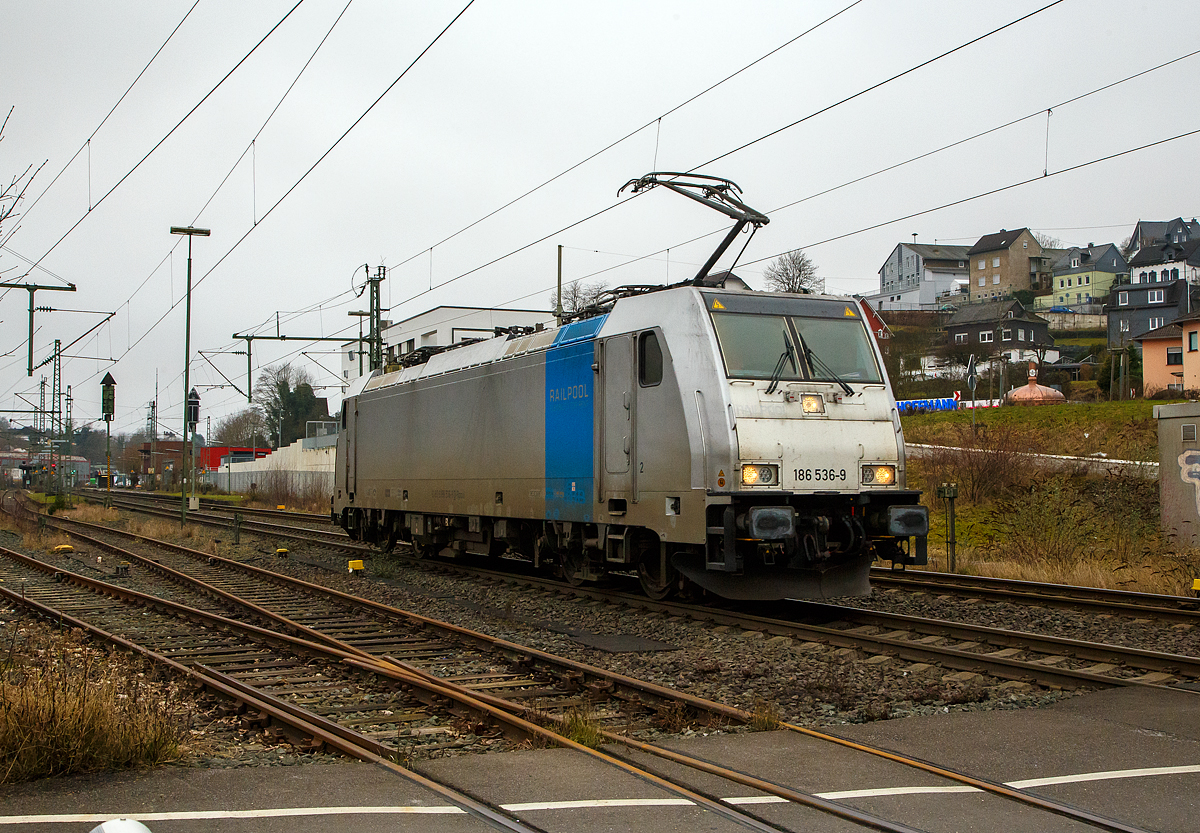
<point>1047,241</point>
<point>244,428</point>
<point>285,396</point>
<point>14,191</point>
<point>793,271</point>
<point>577,296</point>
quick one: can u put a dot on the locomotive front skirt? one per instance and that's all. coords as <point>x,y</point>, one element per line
<point>746,443</point>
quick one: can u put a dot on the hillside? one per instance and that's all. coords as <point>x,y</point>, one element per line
<point>1123,430</point>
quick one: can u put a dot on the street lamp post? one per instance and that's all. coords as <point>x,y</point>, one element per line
<point>190,232</point>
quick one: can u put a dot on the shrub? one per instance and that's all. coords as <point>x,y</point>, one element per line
<point>66,709</point>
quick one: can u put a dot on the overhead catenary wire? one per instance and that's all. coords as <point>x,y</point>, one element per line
<point>313,167</point>
<point>745,145</point>
<point>87,142</point>
<point>170,132</point>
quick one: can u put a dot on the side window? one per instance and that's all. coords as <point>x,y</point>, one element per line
<point>650,360</point>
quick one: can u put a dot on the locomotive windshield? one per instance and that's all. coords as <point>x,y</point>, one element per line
<point>795,347</point>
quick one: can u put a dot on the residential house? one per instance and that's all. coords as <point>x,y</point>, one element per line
<point>1136,309</point>
<point>1166,262</point>
<point>1002,328</point>
<point>1155,232</point>
<point>1189,350</point>
<point>1007,262</point>
<point>919,276</point>
<point>1083,276</point>
<point>1162,358</point>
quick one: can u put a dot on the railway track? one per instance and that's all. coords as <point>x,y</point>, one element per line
<point>372,655</point>
<point>969,649</point>
<point>1166,608</point>
<point>222,507</point>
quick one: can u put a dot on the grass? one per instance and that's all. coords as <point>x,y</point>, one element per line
<point>66,708</point>
<point>1121,430</point>
<point>1016,520</point>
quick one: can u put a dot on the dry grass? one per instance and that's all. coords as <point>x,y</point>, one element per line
<point>66,708</point>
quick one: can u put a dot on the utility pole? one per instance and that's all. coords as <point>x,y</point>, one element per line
<point>250,339</point>
<point>32,288</point>
<point>69,431</point>
<point>375,314</point>
<point>189,232</point>
<point>558,312</point>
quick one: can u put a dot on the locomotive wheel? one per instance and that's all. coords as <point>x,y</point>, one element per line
<point>657,583</point>
<point>574,565</point>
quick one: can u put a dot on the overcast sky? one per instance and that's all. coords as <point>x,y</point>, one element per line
<point>512,95</point>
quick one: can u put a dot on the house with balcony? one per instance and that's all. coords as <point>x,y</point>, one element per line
<point>916,276</point>
<point>1007,262</point>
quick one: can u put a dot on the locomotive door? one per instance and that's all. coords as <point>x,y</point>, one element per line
<point>349,420</point>
<point>617,439</point>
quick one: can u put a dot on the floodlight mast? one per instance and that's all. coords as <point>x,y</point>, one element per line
<point>715,192</point>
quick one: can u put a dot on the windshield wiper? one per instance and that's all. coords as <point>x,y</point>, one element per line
<point>777,373</point>
<point>815,361</point>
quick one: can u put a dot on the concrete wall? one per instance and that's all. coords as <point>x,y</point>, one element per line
<point>305,465</point>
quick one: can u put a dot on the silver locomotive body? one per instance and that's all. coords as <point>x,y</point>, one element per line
<point>743,442</point>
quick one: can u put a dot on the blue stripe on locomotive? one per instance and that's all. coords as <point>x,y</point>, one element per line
<point>570,387</point>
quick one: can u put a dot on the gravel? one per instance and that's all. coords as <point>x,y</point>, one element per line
<point>809,684</point>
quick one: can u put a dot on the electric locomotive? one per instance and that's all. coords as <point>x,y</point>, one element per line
<point>702,435</point>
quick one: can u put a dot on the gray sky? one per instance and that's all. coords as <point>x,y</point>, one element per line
<point>512,95</point>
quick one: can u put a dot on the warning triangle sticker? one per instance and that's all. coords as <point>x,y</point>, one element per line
<point>721,473</point>
<point>849,313</point>
<point>717,305</point>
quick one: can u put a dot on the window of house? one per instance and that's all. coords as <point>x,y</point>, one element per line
<point>1006,334</point>
<point>961,264</point>
<point>982,263</point>
<point>983,281</point>
<point>1124,325</point>
<point>1061,283</point>
<point>960,338</point>
<point>1068,281</point>
<point>1122,299</point>
<point>995,279</point>
<point>1025,245</point>
<point>985,336</point>
<point>995,262</point>
<point>1141,277</point>
<point>1174,355</point>
<point>1020,334</point>
<point>1174,274</point>
<point>1075,263</point>
<point>1155,323</point>
<point>1087,280</point>
<point>1192,341</point>
<point>1153,276</point>
<point>1154,296</point>
<point>1188,434</point>
<point>1011,314</point>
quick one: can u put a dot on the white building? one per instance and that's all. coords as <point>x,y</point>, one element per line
<point>441,327</point>
<point>919,276</point>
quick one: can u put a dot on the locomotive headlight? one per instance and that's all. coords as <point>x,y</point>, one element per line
<point>760,475</point>
<point>812,403</point>
<point>879,475</point>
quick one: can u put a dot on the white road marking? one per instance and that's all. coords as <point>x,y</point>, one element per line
<point>283,812</point>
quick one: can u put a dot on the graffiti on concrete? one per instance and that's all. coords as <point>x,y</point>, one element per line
<point>1189,472</point>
